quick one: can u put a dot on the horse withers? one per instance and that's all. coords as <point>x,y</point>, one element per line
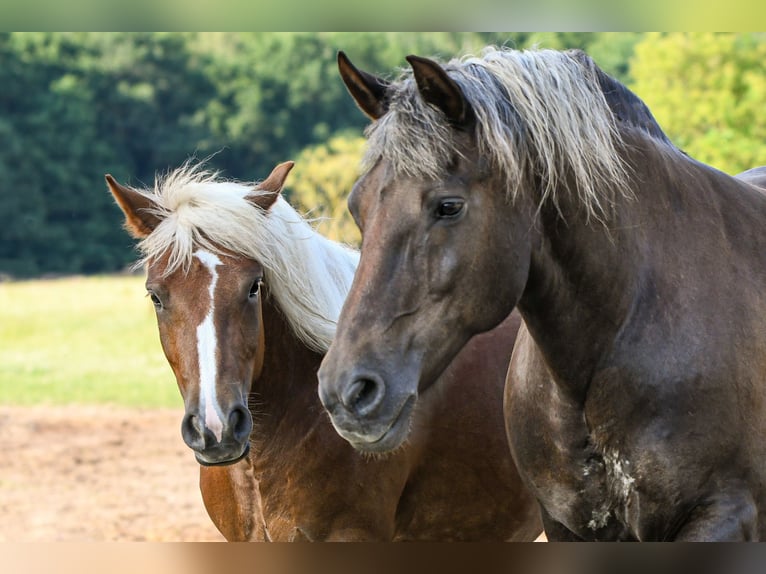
<point>636,396</point>
<point>246,296</point>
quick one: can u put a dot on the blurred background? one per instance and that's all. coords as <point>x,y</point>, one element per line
<point>81,368</point>
<point>75,106</point>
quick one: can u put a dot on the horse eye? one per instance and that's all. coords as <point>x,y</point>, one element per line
<point>449,208</point>
<point>155,300</point>
<point>255,288</point>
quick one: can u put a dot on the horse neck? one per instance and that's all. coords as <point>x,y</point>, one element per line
<point>284,395</point>
<point>586,278</point>
<point>576,295</point>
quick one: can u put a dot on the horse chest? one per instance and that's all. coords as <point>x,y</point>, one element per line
<point>598,489</point>
<point>582,483</point>
<point>587,490</point>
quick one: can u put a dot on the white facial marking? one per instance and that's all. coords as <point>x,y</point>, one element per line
<point>206,347</point>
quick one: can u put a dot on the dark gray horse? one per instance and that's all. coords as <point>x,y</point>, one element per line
<point>636,398</point>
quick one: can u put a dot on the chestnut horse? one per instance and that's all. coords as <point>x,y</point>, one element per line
<point>246,295</point>
<point>636,395</point>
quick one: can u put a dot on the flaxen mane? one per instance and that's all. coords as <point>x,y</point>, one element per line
<point>539,113</point>
<point>307,274</point>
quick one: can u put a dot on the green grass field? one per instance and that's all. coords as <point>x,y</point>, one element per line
<point>82,341</point>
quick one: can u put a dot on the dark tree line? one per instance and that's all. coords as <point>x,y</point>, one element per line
<point>74,106</point>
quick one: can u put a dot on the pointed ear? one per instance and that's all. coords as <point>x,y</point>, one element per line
<point>368,91</point>
<point>140,219</point>
<point>272,186</point>
<point>439,90</point>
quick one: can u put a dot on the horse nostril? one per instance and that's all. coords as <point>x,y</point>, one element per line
<point>192,432</point>
<point>240,423</point>
<point>362,396</point>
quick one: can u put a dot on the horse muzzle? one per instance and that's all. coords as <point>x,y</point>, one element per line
<point>365,413</point>
<point>226,443</point>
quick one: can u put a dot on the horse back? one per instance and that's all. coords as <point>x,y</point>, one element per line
<point>755,176</point>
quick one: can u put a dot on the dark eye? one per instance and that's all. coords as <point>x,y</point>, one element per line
<point>255,288</point>
<point>449,208</point>
<point>155,300</point>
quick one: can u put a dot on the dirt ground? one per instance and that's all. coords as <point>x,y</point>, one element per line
<point>78,474</point>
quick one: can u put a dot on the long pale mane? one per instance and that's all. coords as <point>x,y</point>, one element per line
<point>539,113</point>
<point>307,274</point>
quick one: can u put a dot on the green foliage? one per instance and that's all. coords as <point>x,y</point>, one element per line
<point>612,51</point>
<point>82,340</point>
<point>278,93</point>
<point>320,183</point>
<point>707,91</point>
<point>75,106</point>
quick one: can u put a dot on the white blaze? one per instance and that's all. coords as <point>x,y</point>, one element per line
<point>206,347</point>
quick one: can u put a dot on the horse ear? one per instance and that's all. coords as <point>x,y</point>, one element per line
<point>140,219</point>
<point>368,91</point>
<point>272,186</point>
<point>439,90</point>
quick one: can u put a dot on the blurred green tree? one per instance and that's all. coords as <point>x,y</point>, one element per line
<point>321,181</point>
<point>77,105</point>
<point>707,91</point>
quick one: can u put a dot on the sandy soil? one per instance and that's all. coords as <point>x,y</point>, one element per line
<point>79,474</point>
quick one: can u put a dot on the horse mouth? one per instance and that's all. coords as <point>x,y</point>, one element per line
<point>223,461</point>
<point>394,435</point>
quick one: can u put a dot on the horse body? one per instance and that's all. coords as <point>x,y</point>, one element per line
<point>755,176</point>
<point>635,399</point>
<point>245,328</point>
<point>656,428</point>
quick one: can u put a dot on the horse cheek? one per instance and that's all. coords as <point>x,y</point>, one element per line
<point>443,265</point>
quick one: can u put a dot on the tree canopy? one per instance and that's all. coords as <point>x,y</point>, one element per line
<point>708,91</point>
<point>75,106</point>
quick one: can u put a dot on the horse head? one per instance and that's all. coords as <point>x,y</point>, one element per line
<point>428,250</point>
<point>207,298</point>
